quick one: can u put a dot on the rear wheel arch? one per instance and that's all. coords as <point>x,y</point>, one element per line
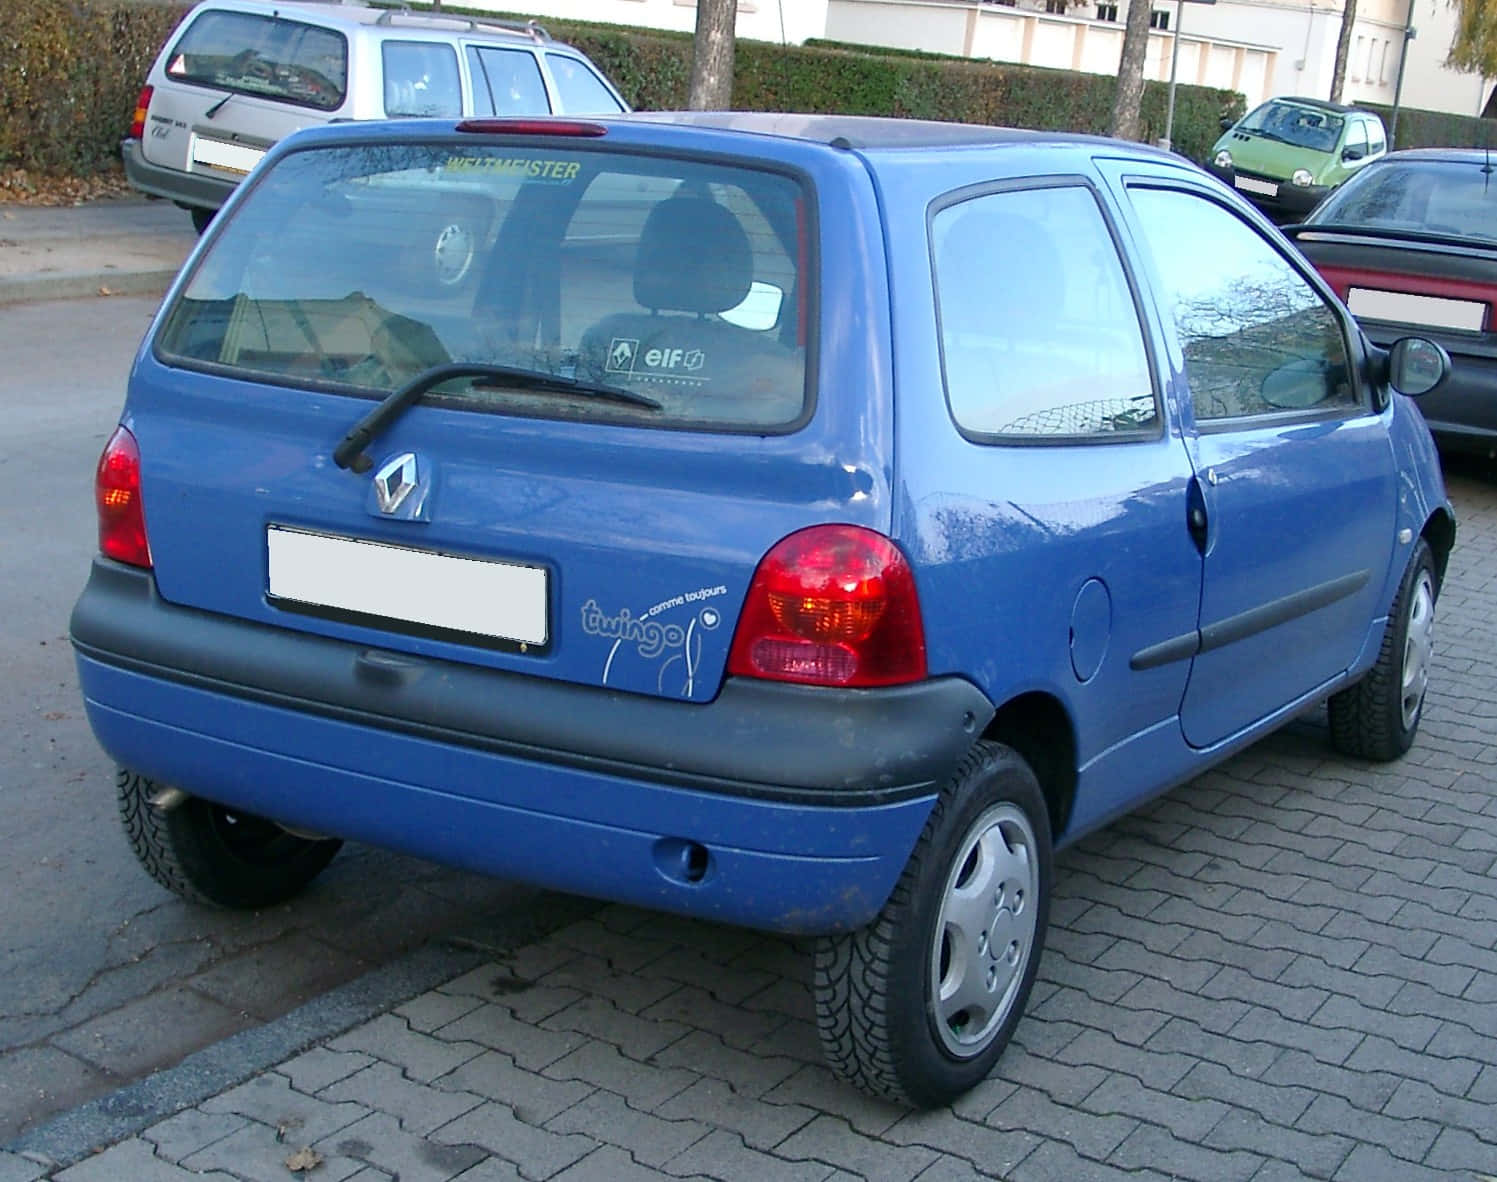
<point>1039,729</point>
<point>1439,533</point>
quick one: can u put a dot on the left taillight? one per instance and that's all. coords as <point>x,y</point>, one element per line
<point>833,605</point>
<point>138,120</point>
<point>122,521</point>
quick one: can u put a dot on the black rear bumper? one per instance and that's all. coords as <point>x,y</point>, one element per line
<point>755,739</point>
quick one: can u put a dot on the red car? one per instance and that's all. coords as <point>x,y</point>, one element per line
<point>1410,244</point>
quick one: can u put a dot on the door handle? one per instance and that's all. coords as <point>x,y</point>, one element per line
<point>1197,522</point>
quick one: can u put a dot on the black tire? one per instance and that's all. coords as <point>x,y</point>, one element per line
<point>210,854</point>
<point>201,218</point>
<point>884,1024</point>
<point>1378,717</point>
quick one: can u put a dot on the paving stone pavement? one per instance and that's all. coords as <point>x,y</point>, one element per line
<point>1285,969</point>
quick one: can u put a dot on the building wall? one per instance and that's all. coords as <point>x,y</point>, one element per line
<point>1032,36</point>
<point>1260,47</point>
<point>789,21</point>
<point>1427,82</point>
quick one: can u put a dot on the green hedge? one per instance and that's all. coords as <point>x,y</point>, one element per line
<point>79,64</point>
<point>653,71</point>
<point>73,70</point>
<point>1437,129</point>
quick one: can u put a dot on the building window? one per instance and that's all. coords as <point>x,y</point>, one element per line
<point>1382,63</point>
<point>1159,19</point>
<point>1055,7</point>
<point>1107,12</point>
<point>1356,59</point>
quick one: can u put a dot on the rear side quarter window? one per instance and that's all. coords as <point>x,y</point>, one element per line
<point>421,79</point>
<point>1040,335</point>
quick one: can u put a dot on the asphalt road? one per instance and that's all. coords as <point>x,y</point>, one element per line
<point>107,976</point>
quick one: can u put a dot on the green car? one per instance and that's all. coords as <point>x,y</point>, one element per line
<point>1288,153</point>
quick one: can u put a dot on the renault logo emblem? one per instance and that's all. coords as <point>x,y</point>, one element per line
<point>400,487</point>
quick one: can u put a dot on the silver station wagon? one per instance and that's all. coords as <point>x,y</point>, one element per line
<point>238,75</point>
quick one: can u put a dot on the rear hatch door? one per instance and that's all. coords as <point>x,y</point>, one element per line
<point>653,400</point>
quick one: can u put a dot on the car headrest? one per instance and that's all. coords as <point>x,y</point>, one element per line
<point>693,257</point>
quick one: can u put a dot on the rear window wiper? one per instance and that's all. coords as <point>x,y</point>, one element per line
<point>528,380</point>
<point>350,452</point>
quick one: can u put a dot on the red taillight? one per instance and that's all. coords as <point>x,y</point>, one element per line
<point>831,605</point>
<point>138,120</point>
<point>122,523</point>
<point>569,127</point>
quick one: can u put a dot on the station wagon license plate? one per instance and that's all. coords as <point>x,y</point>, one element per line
<point>230,157</point>
<point>505,601</point>
<point>1249,184</point>
<point>1403,308</point>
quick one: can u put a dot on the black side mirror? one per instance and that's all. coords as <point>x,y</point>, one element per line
<point>1417,366</point>
<point>1227,124</point>
<point>1353,153</point>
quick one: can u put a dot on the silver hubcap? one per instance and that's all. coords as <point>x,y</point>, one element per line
<point>985,931</point>
<point>1418,647</point>
<point>454,254</point>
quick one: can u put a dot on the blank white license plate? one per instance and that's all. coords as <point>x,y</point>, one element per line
<point>504,600</point>
<point>1251,184</point>
<point>1403,308</point>
<point>232,157</point>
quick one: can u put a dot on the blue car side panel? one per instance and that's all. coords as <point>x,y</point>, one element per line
<point>1044,569</point>
<point>775,866</point>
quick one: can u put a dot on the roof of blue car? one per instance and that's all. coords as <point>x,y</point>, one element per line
<point>861,131</point>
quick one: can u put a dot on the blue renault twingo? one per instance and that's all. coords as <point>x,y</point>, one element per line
<point>792,521</point>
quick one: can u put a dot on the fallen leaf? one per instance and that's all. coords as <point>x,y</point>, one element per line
<point>304,1160</point>
<point>105,291</point>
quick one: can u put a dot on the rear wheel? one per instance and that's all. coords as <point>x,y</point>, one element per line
<point>1378,717</point>
<point>918,1006</point>
<point>201,218</point>
<point>211,854</point>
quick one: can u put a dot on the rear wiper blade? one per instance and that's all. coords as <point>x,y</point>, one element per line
<point>350,452</point>
<point>525,380</point>
<point>218,106</point>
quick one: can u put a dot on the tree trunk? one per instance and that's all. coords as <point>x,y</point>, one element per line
<point>1130,92</point>
<point>712,56</point>
<point>1343,50</point>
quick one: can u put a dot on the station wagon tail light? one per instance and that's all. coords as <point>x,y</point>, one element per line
<point>122,522</point>
<point>138,120</point>
<point>832,605</point>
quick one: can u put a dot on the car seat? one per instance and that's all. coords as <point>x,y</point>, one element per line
<point>694,261</point>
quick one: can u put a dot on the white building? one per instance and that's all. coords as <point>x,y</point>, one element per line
<point>1260,47</point>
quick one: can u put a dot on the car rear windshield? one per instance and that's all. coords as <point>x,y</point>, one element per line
<point>1304,127</point>
<point>681,283</point>
<point>263,55</point>
<point>1447,197</point>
